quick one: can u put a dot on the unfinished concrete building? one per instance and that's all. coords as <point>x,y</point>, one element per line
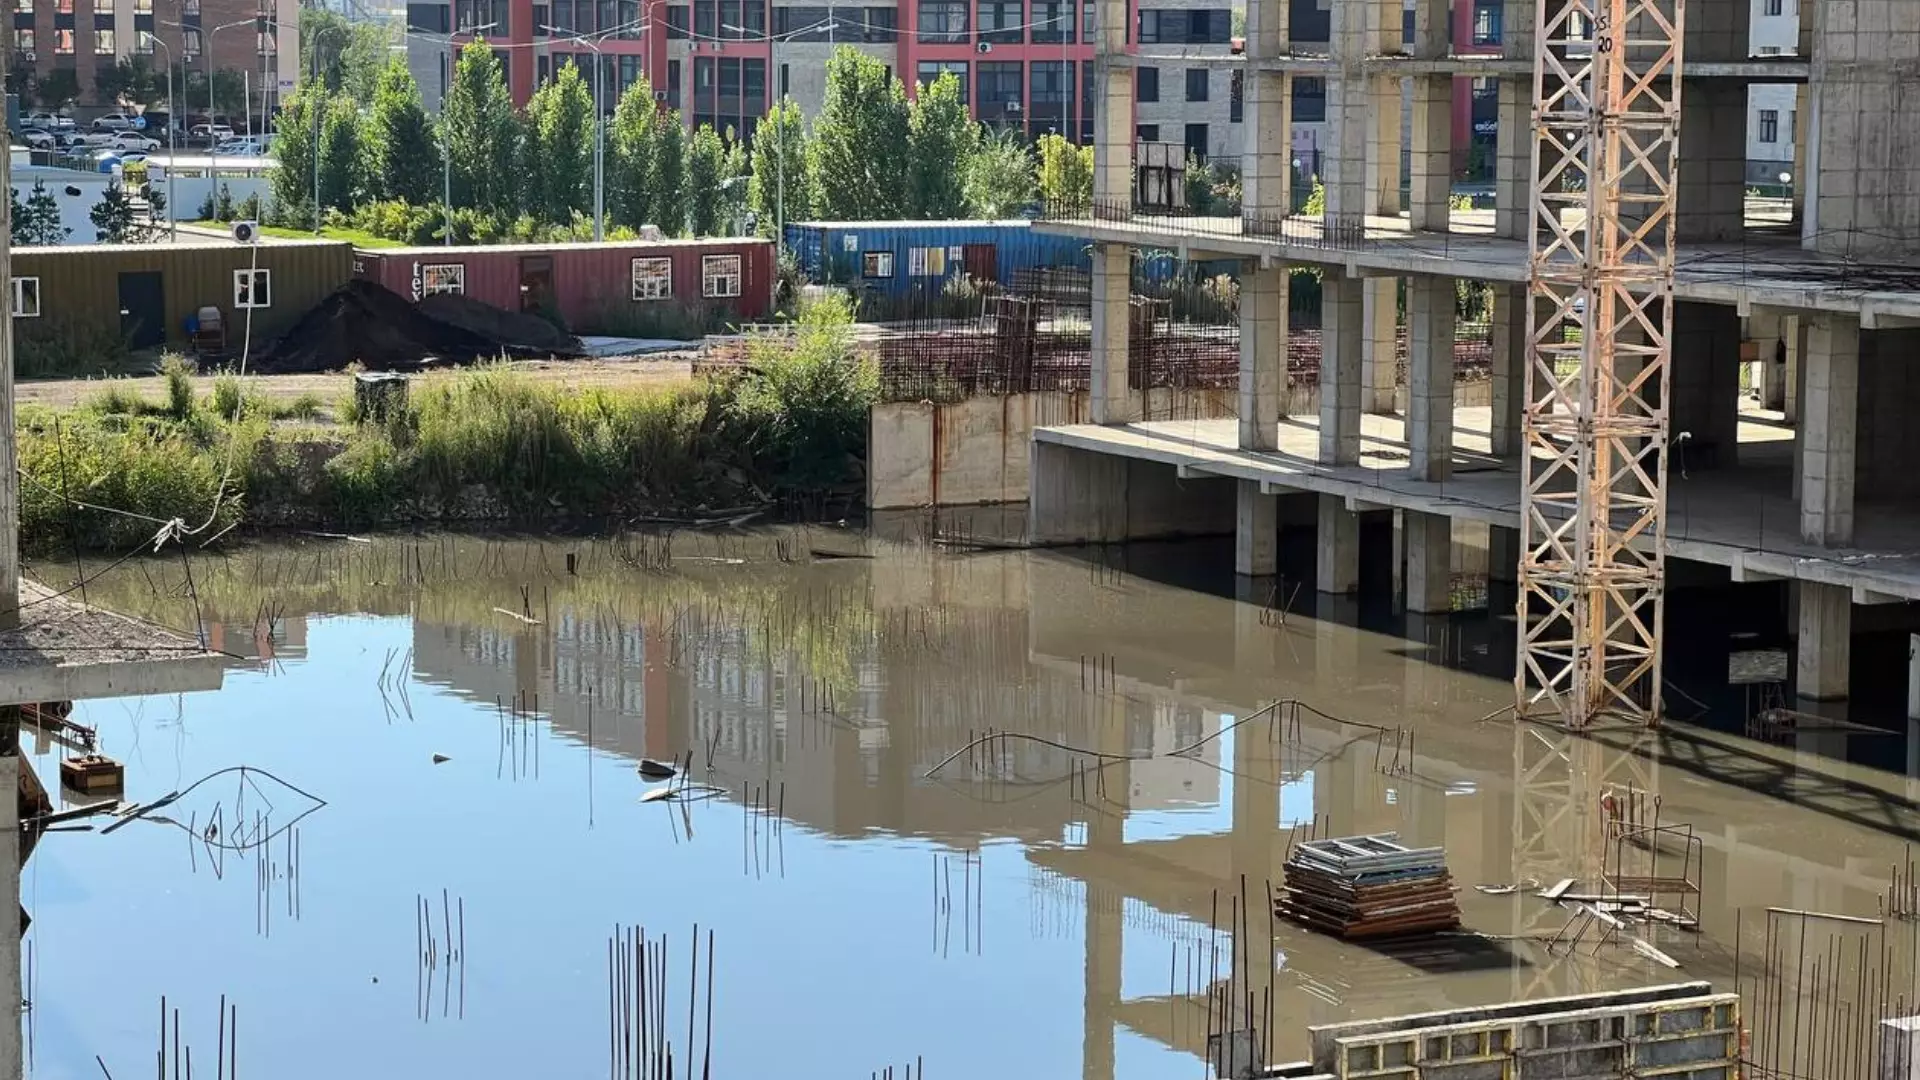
<point>1812,302</point>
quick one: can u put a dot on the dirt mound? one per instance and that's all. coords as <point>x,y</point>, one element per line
<point>363,322</point>
<point>507,327</point>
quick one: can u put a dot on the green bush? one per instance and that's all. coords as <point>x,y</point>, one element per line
<point>179,375</point>
<point>800,407</point>
<point>151,468</point>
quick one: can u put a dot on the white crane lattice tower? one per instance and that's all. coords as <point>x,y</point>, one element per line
<point>1606,126</point>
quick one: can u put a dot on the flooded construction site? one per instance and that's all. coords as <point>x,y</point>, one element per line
<point>827,803</point>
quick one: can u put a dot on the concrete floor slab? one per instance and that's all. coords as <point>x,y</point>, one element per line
<point>1768,269</point>
<point>65,650</point>
<point>1742,518</point>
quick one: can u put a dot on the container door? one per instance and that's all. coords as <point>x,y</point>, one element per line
<point>536,283</point>
<point>143,309</point>
<point>981,261</point>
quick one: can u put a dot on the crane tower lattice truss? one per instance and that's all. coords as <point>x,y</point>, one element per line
<point>1606,125</point>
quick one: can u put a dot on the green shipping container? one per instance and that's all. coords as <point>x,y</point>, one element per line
<point>151,291</point>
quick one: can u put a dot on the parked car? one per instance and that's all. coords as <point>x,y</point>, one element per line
<point>41,120</point>
<point>36,139</point>
<point>88,139</point>
<point>210,134</point>
<point>246,147</point>
<point>114,122</point>
<point>135,141</point>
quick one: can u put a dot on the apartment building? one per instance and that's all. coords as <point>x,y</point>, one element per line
<point>257,37</point>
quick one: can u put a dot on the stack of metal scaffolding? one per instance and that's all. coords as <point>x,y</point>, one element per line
<point>1369,887</point>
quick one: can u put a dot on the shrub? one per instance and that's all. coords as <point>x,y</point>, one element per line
<point>800,407</point>
<point>179,375</point>
<point>147,467</point>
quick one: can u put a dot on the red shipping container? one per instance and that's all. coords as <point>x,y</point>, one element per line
<point>660,288</point>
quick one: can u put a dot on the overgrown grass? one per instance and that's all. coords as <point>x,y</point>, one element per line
<point>484,443</point>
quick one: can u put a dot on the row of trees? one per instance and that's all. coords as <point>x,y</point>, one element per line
<point>869,154</point>
<point>37,220</point>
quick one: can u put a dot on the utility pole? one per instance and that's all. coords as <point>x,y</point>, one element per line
<point>1606,133</point>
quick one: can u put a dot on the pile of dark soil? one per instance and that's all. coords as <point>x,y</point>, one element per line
<point>512,328</point>
<point>365,323</point>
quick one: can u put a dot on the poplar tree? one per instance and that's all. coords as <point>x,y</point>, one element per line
<point>860,141</point>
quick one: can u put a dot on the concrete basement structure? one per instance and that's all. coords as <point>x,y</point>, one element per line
<point>1815,487</point>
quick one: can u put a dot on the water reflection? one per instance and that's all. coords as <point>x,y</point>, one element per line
<point>1078,899</point>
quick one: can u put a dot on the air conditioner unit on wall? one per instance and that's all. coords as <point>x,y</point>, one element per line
<point>983,48</point>
<point>246,232</point>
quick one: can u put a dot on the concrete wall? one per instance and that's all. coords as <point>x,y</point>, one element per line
<point>977,451</point>
<point>1865,192</point>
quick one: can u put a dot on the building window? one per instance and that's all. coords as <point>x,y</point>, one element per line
<point>1147,132</point>
<point>265,45</point>
<point>23,39</point>
<point>999,91</point>
<point>190,41</point>
<point>1486,22</point>
<point>1773,7</point>
<point>1002,22</point>
<point>1197,142</point>
<point>719,275</point>
<point>103,7</point>
<point>1052,22</point>
<point>190,7</point>
<point>652,279</point>
<point>1769,125</point>
<point>931,70</point>
<point>63,42</point>
<point>252,288</point>
<point>1236,94</point>
<point>943,22</point>
<point>103,42</point>
<point>26,298</point>
<point>443,278</point>
<point>876,264</point>
<point>143,42</point>
<point>1197,84</point>
<point>1146,84</point>
<point>1309,100</point>
<point>23,7</point>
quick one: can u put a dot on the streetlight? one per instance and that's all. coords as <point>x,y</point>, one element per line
<point>213,146</point>
<point>780,166</point>
<point>446,144</point>
<point>599,133</point>
<point>173,229</point>
<point>313,106</point>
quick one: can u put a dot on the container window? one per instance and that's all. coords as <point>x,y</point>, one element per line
<point>443,278</point>
<point>252,288</point>
<point>26,298</point>
<point>653,279</point>
<point>877,264</point>
<point>720,275</point>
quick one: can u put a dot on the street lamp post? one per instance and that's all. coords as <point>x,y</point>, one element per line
<point>173,228</point>
<point>780,165</point>
<point>599,134</point>
<point>313,106</point>
<point>213,145</point>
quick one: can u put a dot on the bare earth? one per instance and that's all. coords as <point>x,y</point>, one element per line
<point>658,369</point>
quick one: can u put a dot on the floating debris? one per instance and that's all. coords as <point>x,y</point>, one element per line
<point>93,774</point>
<point>655,770</point>
<point>441,759</point>
<point>656,794</point>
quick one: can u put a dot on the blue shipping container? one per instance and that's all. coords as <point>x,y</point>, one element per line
<point>899,257</point>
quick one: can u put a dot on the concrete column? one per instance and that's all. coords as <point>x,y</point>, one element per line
<point>1710,204</point>
<point>1509,341</point>
<point>1263,355</point>
<point>1430,317</point>
<point>1516,29</point>
<point>1827,432</point>
<point>1113,109</point>
<point>1266,162</point>
<point>1823,649</point>
<point>1256,531</point>
<point>1076,496</point>
<point>1340,337</point>
<point>1513,162</point>
<point>1337,561</point>
<point>1719,31</point>
<point>1768,329</point>
<point>1432,20</point>
<point>1429,563</point>
<point>1899,1049</point>
<point>1380,348</point>
<point>1503,553</point>
<point>1113,402</point>
<point>1431,164</point>
<point>1795,335</point>
<point>1349,116</point>
<point>1383,148</point>
<point>1802,101</point>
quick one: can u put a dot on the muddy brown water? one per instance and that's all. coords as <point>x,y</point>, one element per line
<point>1025,910</point>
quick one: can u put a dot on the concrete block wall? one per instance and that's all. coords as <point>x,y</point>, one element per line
<point>1865,112</point>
